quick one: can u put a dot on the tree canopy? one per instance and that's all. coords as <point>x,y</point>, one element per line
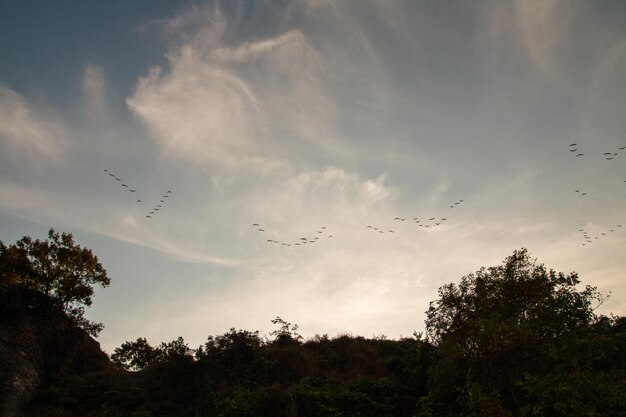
<point>502,328</point>
<point>58,268</point>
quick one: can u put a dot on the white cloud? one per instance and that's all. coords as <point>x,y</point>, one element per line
<point>27,133</point>
<point>217,103</point>
<point>545,27</point>
<point>94,90</point>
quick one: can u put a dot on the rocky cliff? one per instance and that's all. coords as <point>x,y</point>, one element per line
<point>38,345</point>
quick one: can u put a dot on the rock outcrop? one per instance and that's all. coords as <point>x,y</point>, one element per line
<point>38,345</point>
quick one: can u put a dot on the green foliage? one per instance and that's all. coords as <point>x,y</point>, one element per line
<point>58,268</point>
<point>511,340</point>
<point>502,328</point>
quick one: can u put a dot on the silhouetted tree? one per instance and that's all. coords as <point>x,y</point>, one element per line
<point>287,333</point>
<point>498,326</point>
<point>134,356</point>
<point>58,268</point>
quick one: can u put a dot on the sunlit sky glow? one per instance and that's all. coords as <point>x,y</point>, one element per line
<point>312,116</point>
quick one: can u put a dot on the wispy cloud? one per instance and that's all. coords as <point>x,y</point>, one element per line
<point>545,26</point>
<point>218,103</point>
<point>28,133</point>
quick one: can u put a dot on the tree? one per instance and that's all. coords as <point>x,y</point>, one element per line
<point>287,333</point>
<point>498,326</point>
<point>58,268</point>
<point>135,356</point>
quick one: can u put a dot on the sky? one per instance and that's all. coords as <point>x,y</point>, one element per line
<point>309,119</point>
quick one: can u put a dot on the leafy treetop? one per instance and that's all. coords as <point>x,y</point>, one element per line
<point>58,268</point>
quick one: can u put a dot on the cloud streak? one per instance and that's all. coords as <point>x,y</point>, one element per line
<point>27,133</point>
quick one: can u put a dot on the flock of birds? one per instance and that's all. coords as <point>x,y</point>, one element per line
<point>153,211</point>
<point>587,237</point>
<point>322,232</point>
<point>609,156</point>
<point>431,222</point>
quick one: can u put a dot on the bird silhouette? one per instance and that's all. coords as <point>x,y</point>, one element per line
<point>573,144</point>
<point>580,154</point>
<point>139,201</point>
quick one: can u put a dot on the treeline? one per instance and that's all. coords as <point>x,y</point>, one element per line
<point>239,374</point>
<point>516,339</point>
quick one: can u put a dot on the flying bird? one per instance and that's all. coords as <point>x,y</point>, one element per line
<point>432,218</point>
<point>132,191</point>
<point>573,144</point>
<point>139,201</point>
<point>149,217</point>
<point>573,150</point>
<point>255,224</point>
<point>580,154</point>
<point>260,230</point>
